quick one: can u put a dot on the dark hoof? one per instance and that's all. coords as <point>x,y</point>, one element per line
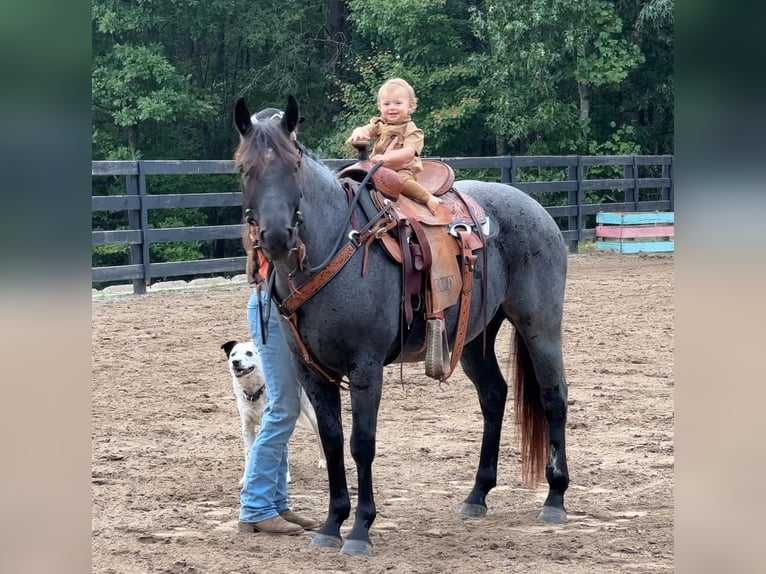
<point>472,511</point>
<point>325,541</point>
<point>553,515</point>
<point>356,548</point>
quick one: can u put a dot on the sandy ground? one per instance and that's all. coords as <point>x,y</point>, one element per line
<point>167,454</point>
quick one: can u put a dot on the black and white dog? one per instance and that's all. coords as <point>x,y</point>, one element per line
<point>250,391</point>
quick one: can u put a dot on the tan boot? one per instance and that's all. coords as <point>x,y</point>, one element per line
<point>274,525</point>
<point>305,523</point>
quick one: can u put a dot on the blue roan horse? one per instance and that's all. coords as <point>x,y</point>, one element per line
<point>352,326</point>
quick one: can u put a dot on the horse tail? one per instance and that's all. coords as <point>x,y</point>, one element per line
<point>531,421</point>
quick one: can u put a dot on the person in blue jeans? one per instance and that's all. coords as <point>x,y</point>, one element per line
<point>263,499</point>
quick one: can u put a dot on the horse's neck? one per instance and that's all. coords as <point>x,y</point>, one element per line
<point>324,207</point>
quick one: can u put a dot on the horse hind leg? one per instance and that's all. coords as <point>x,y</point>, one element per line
<point>540,394</point>
<point>485,374</point>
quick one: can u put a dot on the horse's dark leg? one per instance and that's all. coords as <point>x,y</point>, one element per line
<point>325,398</point>
<point>366,385</point>
<point>539,356</point>
<point>556,471</point>
<point>492,389</point>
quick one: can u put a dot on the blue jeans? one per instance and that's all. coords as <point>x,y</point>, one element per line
<point>264,494</point>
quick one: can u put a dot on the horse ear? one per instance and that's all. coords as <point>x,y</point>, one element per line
<point>242,117</point>
<point>291,116</point>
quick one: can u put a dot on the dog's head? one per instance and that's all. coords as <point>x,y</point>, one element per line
<point>244,364</point>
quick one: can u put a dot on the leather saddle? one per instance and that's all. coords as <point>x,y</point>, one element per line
<point>429,246</point>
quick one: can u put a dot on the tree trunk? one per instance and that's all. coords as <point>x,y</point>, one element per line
<point>501,145</point>
<point>336,24</point>
<point>584,92</point>
<point>133,138</point>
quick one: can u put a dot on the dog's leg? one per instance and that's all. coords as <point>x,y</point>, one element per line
<point>322,463</point>
<point>309,419</point>
<point>289,478</point>
<point>248,438</point>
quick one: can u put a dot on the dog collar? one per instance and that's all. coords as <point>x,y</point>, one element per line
<point>255,396</point>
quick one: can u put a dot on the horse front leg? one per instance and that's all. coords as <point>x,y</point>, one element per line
<point>366,388</point>
<point>325,399</point>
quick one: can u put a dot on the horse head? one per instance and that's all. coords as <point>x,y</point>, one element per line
<point>269,163</point>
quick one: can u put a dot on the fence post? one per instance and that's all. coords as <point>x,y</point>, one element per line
<point>628,172</point>
<point>667,192</point>
<point>506,173</point>
<point>144,224</point>
<point>134,222</point>
<point>572,199</point>
<point>580,202</point>
<point>636,194</point>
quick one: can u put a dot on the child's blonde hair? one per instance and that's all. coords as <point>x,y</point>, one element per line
<point>398,83</point>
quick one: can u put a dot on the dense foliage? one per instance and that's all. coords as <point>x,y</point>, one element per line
<point>493,77</point>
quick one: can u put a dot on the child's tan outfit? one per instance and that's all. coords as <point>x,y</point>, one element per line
<point>406,133</point>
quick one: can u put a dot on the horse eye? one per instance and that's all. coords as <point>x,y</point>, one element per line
<point>249,353</point>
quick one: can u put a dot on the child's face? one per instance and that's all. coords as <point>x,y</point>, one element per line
<point>395,104</point>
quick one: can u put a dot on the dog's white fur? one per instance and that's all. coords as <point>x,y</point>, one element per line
<point>250,391</point>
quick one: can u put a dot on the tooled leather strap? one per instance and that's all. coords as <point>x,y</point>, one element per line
<point>317,281</point>
<point>407,268</point>
<point>469,263</point>
<point>299,296</point>
<point>292,320</point>
<point>308,289</point>
<point>484,258</point>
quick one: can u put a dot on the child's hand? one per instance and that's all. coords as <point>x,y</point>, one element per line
<point>357,136</point>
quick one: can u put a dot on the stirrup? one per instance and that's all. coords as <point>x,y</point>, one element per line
<point>437,351</point>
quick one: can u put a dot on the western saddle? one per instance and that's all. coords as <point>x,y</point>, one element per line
<point>438,251</point>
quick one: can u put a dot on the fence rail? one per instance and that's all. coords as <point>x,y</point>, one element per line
<point>137,201</point>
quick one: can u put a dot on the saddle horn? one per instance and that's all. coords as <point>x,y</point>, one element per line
<point>363,149</point>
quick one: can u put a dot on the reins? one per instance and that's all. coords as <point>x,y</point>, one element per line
<point>347,218</point>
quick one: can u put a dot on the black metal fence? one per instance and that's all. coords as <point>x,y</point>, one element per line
<point>573,189</point>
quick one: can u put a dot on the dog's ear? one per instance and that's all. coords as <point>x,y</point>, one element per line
<point>228,346</point>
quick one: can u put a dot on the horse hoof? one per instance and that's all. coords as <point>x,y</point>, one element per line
<point>472,510</point>
<point>325,541</point>
<point>356,548</point>
<point>553,515</point>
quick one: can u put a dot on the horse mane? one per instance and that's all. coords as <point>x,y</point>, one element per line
<point>252,152</point>
<point>305,152</point>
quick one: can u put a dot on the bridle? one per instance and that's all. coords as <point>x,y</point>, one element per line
<point>300,248</point>
<point>319,274</point>
<point>294,228</point>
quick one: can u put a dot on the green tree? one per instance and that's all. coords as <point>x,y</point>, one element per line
<point>428,43</point>
<point>547,61</point>
<point>134,83</point>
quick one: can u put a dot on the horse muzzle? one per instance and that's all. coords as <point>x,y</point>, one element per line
<point>277,242</point>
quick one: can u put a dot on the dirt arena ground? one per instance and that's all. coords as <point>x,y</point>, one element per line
<point>167,454</point>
